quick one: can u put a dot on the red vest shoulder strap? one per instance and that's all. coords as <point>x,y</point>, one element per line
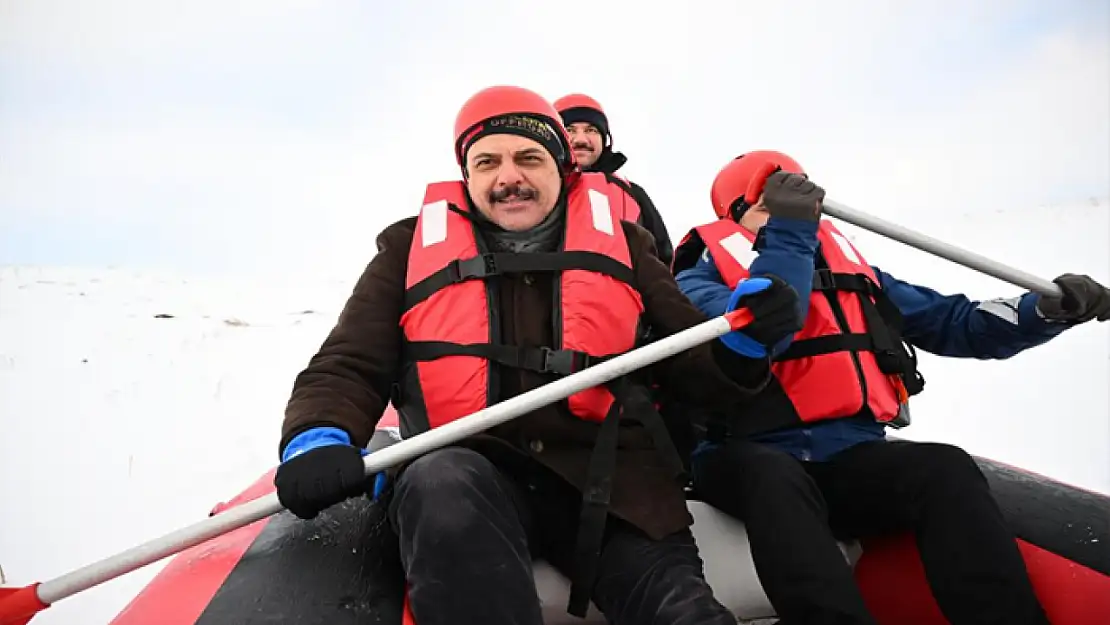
<point>629,208</point>
<point>430,237</point>
<point>730,245</point>
<point>604,203</point>
<point>839,253</point>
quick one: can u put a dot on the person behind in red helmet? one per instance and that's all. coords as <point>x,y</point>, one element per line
<point>808,458</point>
<point>474,301</point>
<point>592,142</point>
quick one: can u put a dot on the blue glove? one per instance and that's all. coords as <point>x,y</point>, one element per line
<point>323,436</point>
<point>776,316</point>
<point>737,341</point>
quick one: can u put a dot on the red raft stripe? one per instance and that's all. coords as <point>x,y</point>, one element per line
<point>181,591</point>
<point>892,579</point>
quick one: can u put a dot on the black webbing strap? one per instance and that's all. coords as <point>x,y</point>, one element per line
<point>594,513</point>
<point>539,359</point>
<point>894,356</point>
<point>499,263</point>
<point>884,330</point>
<point>638,405</point>
<point>632,402</point>
<point>826,280</point>
<point>888,312</point>
<point>808,348</point>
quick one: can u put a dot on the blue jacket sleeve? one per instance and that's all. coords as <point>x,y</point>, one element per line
<point>959,327</point>
<point>787,251</point>
<point>703,286</point>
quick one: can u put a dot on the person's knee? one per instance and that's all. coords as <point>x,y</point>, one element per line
<point>947,467</point>
<point>751,467</point>
<point>444,488</point>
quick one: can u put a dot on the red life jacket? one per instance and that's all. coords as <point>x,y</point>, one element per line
<point>848,358</point>
<point>452,332</point>
<point>630,208</point>
<point>450,319</point>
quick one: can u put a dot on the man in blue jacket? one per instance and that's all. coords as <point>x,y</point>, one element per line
<point>810,461</point>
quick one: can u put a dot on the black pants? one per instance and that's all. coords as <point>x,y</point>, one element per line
<point>468,533</point>
<point>794,512</point>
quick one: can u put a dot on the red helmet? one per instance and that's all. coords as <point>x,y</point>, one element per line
<point>494,102</point>
<point>577,100</point>
<point>743,178</point>
<point>578,107</point>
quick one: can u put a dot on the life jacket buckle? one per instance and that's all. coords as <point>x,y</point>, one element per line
<point>890,361</point>
<point>480,266</point>
<point>489,265</point>
<point>597,493</point>
<point>871,288</point>
<point>563,361</point>
<point>560,361</point>
<point>823,280</point>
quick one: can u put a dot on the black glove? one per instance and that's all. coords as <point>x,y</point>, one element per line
<point>792,196</point>
<point>1083,300</point>
<point>320,478</point>
<point>775,312</point>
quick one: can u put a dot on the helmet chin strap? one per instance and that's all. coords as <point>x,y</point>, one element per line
<point>738,208</point>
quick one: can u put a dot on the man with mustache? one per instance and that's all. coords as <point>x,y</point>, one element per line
<point>517,274</point>
<point>592,142</point>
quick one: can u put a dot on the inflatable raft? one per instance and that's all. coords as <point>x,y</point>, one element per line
<point>342,568</point>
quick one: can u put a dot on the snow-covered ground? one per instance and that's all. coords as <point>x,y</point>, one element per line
<point>119,425</point>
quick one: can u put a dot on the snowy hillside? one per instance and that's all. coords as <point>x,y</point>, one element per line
<point>131,403</point>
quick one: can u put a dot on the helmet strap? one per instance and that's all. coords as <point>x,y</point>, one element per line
<point>737,209</point>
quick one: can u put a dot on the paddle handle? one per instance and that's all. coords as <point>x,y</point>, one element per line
<point>233,518</point>
<point>939,248</point>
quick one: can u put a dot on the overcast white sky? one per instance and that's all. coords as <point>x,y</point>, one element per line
<point>278,135</point>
